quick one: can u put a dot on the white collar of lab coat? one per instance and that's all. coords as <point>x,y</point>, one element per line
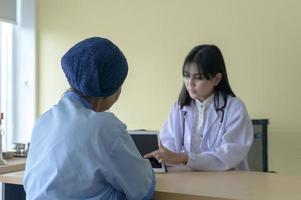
<point>213,115</point>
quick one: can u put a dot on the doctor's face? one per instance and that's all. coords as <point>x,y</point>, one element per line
<point>197,85</point>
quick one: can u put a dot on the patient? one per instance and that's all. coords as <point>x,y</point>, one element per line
<point>79,151</point>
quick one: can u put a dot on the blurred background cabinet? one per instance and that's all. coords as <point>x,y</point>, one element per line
<point>258,154</point>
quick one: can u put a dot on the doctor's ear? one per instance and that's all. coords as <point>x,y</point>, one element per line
<point>217,78</point>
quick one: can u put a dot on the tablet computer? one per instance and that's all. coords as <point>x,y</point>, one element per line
<point>146,142</point>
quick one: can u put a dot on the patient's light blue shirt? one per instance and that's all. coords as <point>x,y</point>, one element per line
<point>79,154</point>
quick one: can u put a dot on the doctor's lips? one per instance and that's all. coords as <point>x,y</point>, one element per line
<point>193,92</point>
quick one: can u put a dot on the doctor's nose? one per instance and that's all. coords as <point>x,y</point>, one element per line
<point>190,82</point>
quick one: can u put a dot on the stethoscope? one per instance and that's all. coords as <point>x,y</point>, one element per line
<point>222,110</point>
<point>182,149</point>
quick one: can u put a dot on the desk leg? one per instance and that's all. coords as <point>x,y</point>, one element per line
<point>13,192</point>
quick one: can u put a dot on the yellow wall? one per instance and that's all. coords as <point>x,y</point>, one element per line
<point>260,41</point>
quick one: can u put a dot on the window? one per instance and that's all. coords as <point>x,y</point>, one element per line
<point>18,71</point>
<point>5,76</point>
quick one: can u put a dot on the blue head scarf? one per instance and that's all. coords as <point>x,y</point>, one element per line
<point>95,67</point>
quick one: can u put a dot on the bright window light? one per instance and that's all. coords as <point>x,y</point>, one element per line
<point>5,72</point>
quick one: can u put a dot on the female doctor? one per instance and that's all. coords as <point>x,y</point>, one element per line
<point>209,127</point>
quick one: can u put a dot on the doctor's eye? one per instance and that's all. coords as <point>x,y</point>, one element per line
<point>186,75</point>
<point>199,77</point>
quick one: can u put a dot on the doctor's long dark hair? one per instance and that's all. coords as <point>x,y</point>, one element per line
<point>209,61</point>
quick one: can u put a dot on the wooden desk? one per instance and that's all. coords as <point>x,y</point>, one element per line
<point>15,178</point>
<point>14,164</point>
<point>12,191</point>
<point>228,185</point>
<point>214,185</point>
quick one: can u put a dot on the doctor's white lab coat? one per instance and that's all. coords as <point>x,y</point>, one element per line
<point>225,143</point>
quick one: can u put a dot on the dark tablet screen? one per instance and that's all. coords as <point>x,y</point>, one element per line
<point>147,143</point>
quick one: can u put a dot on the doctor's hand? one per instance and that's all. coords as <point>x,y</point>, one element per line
<point>166,156</point>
